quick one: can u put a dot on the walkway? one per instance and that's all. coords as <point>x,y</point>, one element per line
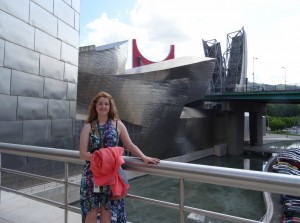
<point>18,209</point>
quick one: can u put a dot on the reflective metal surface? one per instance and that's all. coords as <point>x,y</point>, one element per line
<point>150,100</point>
<point>58,109</point>
<point>27,60</point>
<point>46,4</point>
<point>5,75</point>
<point>55,89</point>
<point>63,11</point>
<point>68,34</point>
<point>31,108</point>
<point>53,46</point>
<point>8,108</point>
<point>27,84</point>
<point>11,28</point>
<point>47,24</point>
<point>1,52</point>
<point>50,67</point>
<point>107,60</point>
<point>69,54</point>
<point>38,69</point>
<point>18,10</point>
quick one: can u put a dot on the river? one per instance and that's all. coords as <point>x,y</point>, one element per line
<point>233,201</point>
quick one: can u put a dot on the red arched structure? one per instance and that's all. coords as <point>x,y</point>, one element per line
<point>139,60</point>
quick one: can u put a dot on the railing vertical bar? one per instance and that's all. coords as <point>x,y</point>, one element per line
<point>181,200</point>
<point>66,190</point>
<point>0,175</point>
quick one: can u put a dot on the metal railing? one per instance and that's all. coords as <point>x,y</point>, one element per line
<point>247,179</point>
<point>260,88</point>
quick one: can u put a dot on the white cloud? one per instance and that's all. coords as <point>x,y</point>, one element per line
<point>272,27</point>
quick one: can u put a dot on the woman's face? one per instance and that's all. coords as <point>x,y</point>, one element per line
<point>102,106</point>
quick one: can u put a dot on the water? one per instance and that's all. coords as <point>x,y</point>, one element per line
<point>232,201</point>
<point>286,145</point>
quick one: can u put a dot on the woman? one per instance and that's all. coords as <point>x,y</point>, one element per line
<point>103,113</point>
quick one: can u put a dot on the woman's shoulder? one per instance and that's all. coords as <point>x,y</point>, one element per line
<point>87,127</point>
<point>117,123</point>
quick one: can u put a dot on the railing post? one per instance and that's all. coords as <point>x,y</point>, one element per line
<point>0,176</point>
<point>181,200</point>
<point>66,190</point>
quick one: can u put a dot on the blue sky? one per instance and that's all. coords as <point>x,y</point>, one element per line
<point>272,28</point>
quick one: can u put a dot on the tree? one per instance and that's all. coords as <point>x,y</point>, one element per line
<point>277,124</point>
<point>283,110</point>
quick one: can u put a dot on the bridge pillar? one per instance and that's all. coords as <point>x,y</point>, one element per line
<point>256,128</point>
<point>235,124</point>
<point>235,133</point>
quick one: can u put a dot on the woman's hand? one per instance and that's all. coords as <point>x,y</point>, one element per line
<point>150,160</point>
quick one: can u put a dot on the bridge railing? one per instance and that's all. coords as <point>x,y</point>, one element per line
<point>263,87</point>
<point>247,179</point>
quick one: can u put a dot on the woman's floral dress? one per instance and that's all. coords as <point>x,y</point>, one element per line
<point>90,200</point>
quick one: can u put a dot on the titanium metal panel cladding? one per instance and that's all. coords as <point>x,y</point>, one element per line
<point>108,59</point>
<point>151,96</point>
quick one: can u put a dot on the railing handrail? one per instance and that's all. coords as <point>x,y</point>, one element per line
<point>247,179</point>
<point>240,178</point>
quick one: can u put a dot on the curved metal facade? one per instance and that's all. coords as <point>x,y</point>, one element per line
<point>107,59</point>
<point>151,100</point>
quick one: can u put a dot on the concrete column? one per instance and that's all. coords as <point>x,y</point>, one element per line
<point>235,133</point>
<point>256,128</point>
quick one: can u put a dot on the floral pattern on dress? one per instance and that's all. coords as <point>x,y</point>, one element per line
<point>90,200</point>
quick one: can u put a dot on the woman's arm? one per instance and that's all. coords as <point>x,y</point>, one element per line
<point>124,136</point>
<point>84,141</point>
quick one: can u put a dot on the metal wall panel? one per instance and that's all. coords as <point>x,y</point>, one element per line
<point>151,99</point>
<point>77,21</point>
<point>50,67</point>
<point>66,143</point>
<point>61,128</point>
<point>46,4</point>
<point>11,28</point>
<point>55,89</point>
<point>76,5</point>
<point>27,84</point>
<point>1,52</point>
<point>27,60</point>
<point>5,77</point>
<point>36,132</point>
<point>68,34</point>
<point>8,108</point>
<point>69,2</point>
<point>69,54</point>
<point>18,9</point>
<point>109,59</point>
<point>47,24</point>
<point>33,73</point>
<point>47,44</point>
<point>31,108</point>
<point>58,109</point>
<point>72,92</point>
<point>71,73</point>
<point>64,12</point>
<point>11,132</point>
<point>73,109</point>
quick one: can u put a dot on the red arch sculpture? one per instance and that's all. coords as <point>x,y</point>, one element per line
<point>139,60</point>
